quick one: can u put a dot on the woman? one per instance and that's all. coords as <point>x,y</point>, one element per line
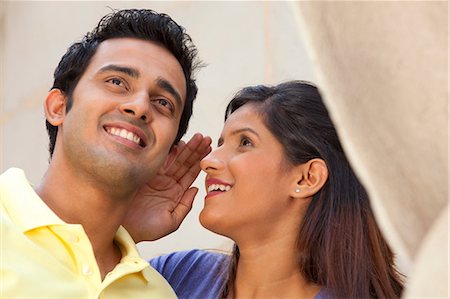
<point>280,186</point>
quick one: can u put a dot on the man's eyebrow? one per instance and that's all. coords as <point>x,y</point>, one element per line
<point>167,86</point>
<point>132,72</point>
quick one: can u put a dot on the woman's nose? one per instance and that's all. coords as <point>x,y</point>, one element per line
<point>212,162</point>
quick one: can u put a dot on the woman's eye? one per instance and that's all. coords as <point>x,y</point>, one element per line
<point>245,142</point>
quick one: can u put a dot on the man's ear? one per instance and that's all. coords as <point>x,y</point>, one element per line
<point>171,157</point>
<point>310,178</point>
<point>55,107</point>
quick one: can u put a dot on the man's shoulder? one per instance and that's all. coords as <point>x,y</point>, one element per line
<point>12,174</point>
<point>14,180</point>
<point>11,180</point>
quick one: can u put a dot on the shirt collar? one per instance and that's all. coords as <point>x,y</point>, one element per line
<point>23,204</point>
<point>130,253</point>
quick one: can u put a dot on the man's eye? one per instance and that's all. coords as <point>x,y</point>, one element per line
<point>165,103</point>
<point>116,81</point>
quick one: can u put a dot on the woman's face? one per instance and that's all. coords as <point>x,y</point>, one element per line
<point>248,181</point>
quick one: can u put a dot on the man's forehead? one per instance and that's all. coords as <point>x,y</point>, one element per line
<point>142,56</point>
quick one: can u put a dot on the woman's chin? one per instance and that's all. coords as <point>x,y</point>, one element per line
<point>213,223</point>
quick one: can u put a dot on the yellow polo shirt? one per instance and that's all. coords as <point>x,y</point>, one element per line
<point>43,257</point>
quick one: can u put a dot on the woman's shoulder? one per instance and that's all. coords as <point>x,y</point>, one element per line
<point>324,294</point>
<point>190,258</point>
<point>193,273</point>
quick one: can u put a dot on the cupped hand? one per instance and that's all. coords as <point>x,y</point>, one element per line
<point>162,204</point>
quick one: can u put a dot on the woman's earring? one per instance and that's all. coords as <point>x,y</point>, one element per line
<point>297,190</point>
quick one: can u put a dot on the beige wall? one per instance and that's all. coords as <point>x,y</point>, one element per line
<point>2,73</point>
<point>242,42</point>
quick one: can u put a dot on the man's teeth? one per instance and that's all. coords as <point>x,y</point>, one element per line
<point>217,187</point>
<point>124,134</point>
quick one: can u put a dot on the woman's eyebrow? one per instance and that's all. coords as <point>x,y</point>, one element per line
<point>238,131</point>
<point>246,129</point>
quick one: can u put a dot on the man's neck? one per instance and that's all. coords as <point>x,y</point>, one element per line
<point>77,200</point>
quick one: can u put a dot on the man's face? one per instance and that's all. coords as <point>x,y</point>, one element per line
<point>125,114</point>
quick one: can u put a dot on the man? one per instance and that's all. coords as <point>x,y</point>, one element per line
<point>122,98</point>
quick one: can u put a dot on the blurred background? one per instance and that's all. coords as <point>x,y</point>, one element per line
<point>242,43</point>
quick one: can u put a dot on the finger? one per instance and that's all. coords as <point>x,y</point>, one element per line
<point>179,147</point>
<point>190,176</point>
<point>185,205</point>
<point>183,153</point>
<point>195,150</point>
<point>195,147</point>
<point>199,153</point>
<point>194,156</point>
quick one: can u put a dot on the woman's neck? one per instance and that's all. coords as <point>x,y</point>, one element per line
<point>271,271</point>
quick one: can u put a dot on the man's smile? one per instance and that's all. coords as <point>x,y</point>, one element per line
<point>130,133</point>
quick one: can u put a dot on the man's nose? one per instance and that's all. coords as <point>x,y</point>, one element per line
<point>138,107</point>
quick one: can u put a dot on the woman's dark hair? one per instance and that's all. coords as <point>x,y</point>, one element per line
<point>340,246</point>
<point>143,24</point>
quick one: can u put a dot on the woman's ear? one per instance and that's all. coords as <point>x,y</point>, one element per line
<point>55,107</point>
<point>311,176</point>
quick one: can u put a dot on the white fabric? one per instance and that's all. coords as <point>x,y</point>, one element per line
<point>382,67</point>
